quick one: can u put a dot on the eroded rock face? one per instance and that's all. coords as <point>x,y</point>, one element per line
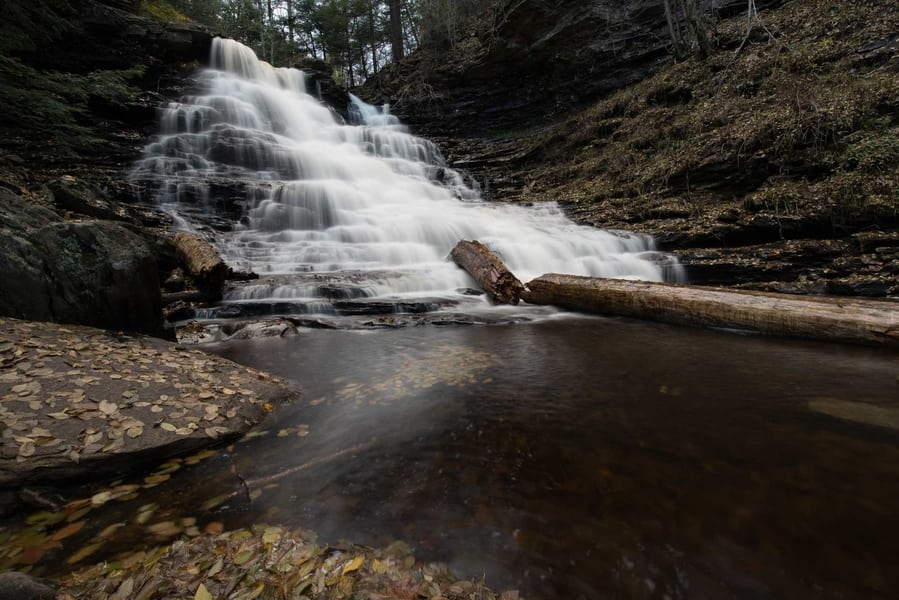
<point>88,272</point>
<point>540,59</point>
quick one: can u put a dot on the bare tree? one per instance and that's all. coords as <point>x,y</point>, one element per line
<point>753,20</point>
<point>396,30</point>
<point>687,28</point>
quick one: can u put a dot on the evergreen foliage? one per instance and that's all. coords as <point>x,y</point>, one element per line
<point>355,37</point>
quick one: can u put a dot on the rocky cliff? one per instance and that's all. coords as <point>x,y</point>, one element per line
<point>80,83</point>
<point>532,61</point>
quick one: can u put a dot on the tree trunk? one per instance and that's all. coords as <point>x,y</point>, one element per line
<point>373,38</point>
<point>396,31</point>
<point>501,286</point>
<point>202,263</point>
<point>825,318</point>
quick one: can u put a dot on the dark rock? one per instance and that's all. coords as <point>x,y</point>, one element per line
<point>96,273</point>
<point>175,282</point>
<point>80,197</point>
<point>19,586</point>
<point>536,59</point>
<point>320,83</point>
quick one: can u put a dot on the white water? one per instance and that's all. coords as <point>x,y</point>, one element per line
<point>324,196</point>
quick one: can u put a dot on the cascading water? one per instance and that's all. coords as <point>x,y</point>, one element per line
<point>375,208</point>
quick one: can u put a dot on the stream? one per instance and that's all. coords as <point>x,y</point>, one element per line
<point>568,457</point>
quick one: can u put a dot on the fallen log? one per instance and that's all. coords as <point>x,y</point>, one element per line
<point>825,318</point>
<point>202,262</point>
<point>501,286</point>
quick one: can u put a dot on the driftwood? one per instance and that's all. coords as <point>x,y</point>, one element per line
<point>202,262</point>
<point>501,286</point>
<point>826,318</point>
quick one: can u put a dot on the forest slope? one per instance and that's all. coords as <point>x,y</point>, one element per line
<point>774,165</point>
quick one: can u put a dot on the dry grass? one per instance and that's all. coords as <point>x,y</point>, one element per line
<point>809,122</point>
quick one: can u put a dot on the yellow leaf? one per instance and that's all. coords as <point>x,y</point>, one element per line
<point>83,553</point>
<point>202,593</point>
<point>353,565</point>
<point>216,568</point>
<point>101,498</point>
<point>259,589</point>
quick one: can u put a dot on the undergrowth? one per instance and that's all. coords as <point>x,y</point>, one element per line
<point>53,106</point>
<point>809,122</point>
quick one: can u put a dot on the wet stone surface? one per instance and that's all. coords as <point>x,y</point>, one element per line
<point>77,401</point>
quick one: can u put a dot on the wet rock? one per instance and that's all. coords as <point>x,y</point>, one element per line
<point>80,197</point>
<point>95,273</point>
<point>19,586</point>
<point>90,403</point>
<point>175,282</point>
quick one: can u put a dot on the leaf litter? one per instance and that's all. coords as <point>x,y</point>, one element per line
<point>72,396</point>
<point>271,563</point>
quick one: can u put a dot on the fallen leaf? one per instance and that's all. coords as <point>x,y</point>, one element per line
<point>101,498</point>
<point>108,408</point>
<point>83,553</point>
<point>353,565</point>
<point>156,479</point>
<point>124,591</point>
<point>217,567</point>
<point>243,556</point>
<point>67,531</point>
<point>202,593</point>
<point>214,528</point>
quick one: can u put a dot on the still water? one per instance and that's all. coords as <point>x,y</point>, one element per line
<point>571,457</point>
<point>590,458</point>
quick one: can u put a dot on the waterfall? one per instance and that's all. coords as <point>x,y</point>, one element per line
<point>366,201</point>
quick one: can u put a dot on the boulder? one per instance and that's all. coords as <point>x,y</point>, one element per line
<point>96,273</point>
<point>80,403</point>
<point>19,586</point>
<point>80,197</point>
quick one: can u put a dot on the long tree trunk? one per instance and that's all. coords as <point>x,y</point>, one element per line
<point>291,42</point>
<point>396,30</point>
<point>371,37</point>
<point>837,319</point>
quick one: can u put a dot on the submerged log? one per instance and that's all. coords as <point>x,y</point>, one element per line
<point>824,318</point>
<point>202,262</point>
<point>501,286</point>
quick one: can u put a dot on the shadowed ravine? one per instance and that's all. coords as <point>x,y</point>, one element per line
<point>568,457</point>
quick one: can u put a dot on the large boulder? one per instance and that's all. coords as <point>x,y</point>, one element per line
<point>88,272</point>
<point>81,403</point>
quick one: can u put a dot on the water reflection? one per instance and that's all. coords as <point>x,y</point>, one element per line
<point>572,458</point>
<point>592,458</point>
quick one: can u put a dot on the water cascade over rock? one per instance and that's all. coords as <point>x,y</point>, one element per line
<point>328,210</point>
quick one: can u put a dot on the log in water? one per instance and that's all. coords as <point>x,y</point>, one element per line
<point>202,262</point>
<point>837,319</point>
<point>501,286</point>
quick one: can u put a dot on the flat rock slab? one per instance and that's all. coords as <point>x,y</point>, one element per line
<point>80,402</point>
